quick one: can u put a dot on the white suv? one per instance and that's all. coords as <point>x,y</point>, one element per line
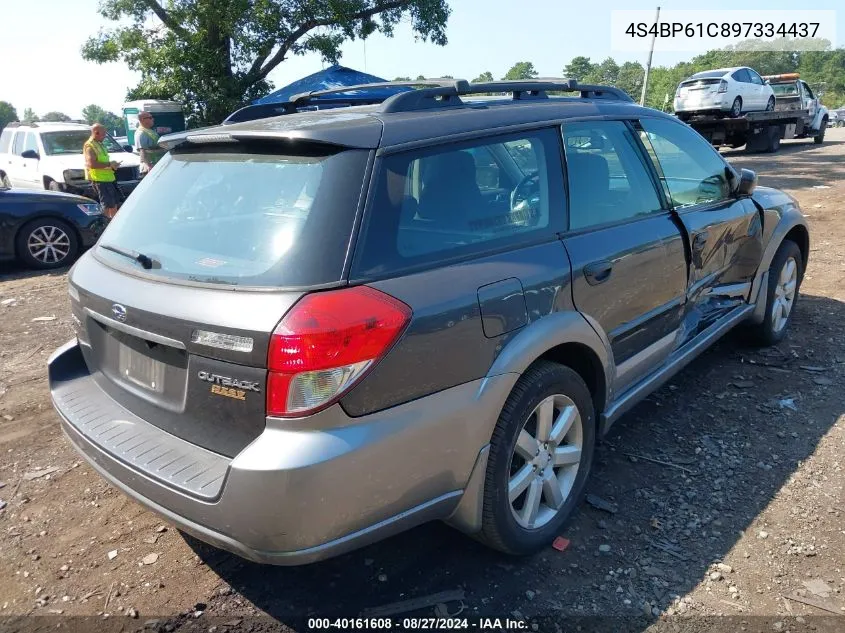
<point>729,90</point>
<point>49,156</point>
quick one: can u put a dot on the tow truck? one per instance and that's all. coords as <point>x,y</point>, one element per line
<point>797,114</point>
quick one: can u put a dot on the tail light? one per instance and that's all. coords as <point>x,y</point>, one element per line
<point>326,343</point>
<point>723,86</point>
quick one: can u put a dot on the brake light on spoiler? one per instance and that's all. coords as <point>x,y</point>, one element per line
<point>326,343</point>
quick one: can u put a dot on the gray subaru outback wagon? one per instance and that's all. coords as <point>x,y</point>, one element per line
<point>314,326</point>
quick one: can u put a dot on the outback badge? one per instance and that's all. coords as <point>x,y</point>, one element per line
<point>229,387</point>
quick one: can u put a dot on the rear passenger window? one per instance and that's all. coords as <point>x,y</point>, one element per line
<point>692,171</point>
<point>452,201</point>
<point>31,142</point>
<point>742,75</point>
<point>5,141</point>
<point>17,147</point>
<point>607,175</point>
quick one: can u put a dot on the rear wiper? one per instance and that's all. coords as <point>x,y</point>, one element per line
<point>142,259</point>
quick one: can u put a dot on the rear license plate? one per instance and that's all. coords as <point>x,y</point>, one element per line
<point>141,370</point>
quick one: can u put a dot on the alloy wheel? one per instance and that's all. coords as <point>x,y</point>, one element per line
<point>784,294</point>
<point>48,244</point>
<point>545,461</point>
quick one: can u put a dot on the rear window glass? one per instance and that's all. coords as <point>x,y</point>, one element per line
<point>708,73</point>
<point>243,217</point>
<point>692,83</point>
<point>438,204</point>
<point>785,90</point>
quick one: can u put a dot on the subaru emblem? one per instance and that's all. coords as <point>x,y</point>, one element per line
<point>119,312</point>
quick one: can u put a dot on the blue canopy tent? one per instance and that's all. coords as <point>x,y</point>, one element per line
<point>336,76</point>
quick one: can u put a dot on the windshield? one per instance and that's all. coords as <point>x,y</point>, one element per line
<point>785,90</point>
<point>71,142</point>
<point>243,217</point>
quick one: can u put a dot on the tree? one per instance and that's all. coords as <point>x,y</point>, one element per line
<point>55,116</point>
<point>484,77</point>
<point>95,114</point>
<point>607,73</point>
<point>521,70</point>
<point>580,68</point>
<point>29,116</point>
<point>630,79</point>
<point>214,55</point>
<point>402,79</point>
<point>420,77</point>
<point>7,114</point>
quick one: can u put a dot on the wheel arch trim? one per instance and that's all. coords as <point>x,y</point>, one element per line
<point>792,224</point>
<point>553,331</point>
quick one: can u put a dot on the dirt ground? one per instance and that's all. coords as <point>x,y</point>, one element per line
<point>726,489</point>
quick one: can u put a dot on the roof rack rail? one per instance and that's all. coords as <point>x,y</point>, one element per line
<point>428,94</point>
<point>522,89</point>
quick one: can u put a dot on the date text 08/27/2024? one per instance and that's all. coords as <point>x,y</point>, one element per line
<point>417,624</point>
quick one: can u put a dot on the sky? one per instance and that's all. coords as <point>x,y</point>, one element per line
<point>42,67</point>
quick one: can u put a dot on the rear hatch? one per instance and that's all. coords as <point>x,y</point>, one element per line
<point>697,86</point>
<point>176,305</point>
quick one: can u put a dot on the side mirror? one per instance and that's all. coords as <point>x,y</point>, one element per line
<point>747,182</point>
<point>128,148</point>
<point>30,153</point>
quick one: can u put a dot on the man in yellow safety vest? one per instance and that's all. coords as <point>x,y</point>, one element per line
<point>146,139</point>
<point>100,170</point>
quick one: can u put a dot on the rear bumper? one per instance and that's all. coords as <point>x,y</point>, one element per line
<point>304,490</point>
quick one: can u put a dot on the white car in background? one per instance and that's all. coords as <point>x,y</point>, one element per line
<point>724,90</point>
<point>48,155</point>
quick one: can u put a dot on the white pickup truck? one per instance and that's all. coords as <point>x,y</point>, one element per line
<point>793,94</point>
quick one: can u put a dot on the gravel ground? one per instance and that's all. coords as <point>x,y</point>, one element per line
<point>718,502</point>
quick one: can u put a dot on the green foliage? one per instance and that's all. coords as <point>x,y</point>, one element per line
<point>580,69</point>
<point>55,116</point>
<point>7,114</point>
<point>484,77</point>
<point>521,70</point>
<point>215,55</point>
<point>29,116</point>
<point>421,77</point>
<point>630,79</point>
<point>402,79</point>
<point>95,114</point>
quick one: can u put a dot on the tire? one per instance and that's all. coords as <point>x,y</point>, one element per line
<point>770,104</point>
<point>61,240</point>
<point>52,185</point>
<point>736,108</point>
<point>818,139</point>
<point>768,332</point>
<point>506,523</point>
<point>774,140</point>
<point>4,180</point>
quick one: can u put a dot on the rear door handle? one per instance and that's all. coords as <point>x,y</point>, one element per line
<point>700,240</point>
<point>598,272</point>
